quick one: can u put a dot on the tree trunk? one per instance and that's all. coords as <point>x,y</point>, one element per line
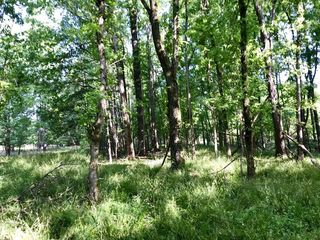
<point>215,136</point>
<point>311,96</point>
<point>141,149</point>
<point>223,118</point>
<point>93,165</point>
<point>7,137</point>
<point>203,133</point>
<point>245,88</point>
<point>123,100</point>
<point>299,87</point>
<point>113,129</point>
<point>95,130</point>
<point>170,71</point>
<point>152,101</point>
<point>190,127</point>
<point>266,43</point>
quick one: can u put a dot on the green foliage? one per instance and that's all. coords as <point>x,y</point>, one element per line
<point>138,202</point>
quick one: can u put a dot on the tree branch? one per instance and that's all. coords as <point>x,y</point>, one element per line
<point>146,6</point>
<point>304,149</point>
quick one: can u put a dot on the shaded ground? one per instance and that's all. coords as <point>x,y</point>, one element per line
<point>141,202</point>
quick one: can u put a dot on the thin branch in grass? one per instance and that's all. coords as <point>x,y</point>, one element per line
<point>40,182</point>
<point>290,154</point>
<point>312,159</point>
<point>165,156</point>
<point>232,161</point>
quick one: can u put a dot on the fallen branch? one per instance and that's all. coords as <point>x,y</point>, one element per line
<point>165,157</point>
<point>41,180</point>
<point>232,161</point>
<point>290,154</point>
<point>312,159</point>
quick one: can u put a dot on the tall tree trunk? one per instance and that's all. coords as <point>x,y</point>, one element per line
<point>248,134</point>
<point>215,140</point>
<point>141,149</point>
<point>190,127</point>
<point>203,133</point>
<point>224,138</point>
<point>317,126</point>
<point>299,86</point>
<point>7,138</point>
<point>113,127</point>
<point>123,99</point>
<point>311,95</point>
<point>266,43</point>
<point>170,71</point>
<point>95,130</point>
<point>152,101</point>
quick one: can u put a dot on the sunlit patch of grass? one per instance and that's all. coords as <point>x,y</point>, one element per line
<point>21,231</point>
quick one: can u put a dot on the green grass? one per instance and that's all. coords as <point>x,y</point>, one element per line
<point>138,202</point>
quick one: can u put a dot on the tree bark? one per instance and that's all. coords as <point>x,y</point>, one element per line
<point>224,138</point>
<point>299,86</point>
<point>170,71</point>
<point>311,95</point>
<point>152,101</point>
<point>113,127</point>
<point>266,43</point>
<point>95,130</point>
<point>190,127</point>
<point>7,138</point>
<point>123,100</point>
<point>248,134</point>
<point>141,146</point>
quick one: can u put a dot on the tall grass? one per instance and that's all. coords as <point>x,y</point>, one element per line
<point>141,202</point>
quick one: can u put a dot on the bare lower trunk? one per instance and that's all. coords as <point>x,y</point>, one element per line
<point>7,141</point>
<point>223,118</point>
<point>112,135</point>
<point>266,43</point>
<point>152,101</point>
<point>109,147</point>
<point>95,130</point>
<point>227,143</point>
<point>316,120</point>
<point>190,127</point>
<point>170,71</point>
<point>299,123</point>
<point>137,79</point>
<point>113,129</point>
<point>248,134</point>
<point>123,100</point>
<point>311,95</point>
<point>93,171</point>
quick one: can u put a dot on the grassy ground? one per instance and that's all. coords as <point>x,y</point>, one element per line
<point>137,202</point>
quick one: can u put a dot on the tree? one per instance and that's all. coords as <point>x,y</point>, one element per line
<point>152,97</point>
<point>245,88</point>
<point>299,80</point>
<point>137,78</point>
<point>123,99</point>
<point>190,128</point>
<point>170,71</point>
<point>267,45</point>
<point>95,130</point>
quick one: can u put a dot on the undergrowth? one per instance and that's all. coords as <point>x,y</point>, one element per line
<point>142,202</point>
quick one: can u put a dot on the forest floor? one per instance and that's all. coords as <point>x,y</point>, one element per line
<point>139,201</point>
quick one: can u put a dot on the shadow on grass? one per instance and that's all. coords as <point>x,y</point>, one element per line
<point>137,202</point>
<point>277,204</point>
